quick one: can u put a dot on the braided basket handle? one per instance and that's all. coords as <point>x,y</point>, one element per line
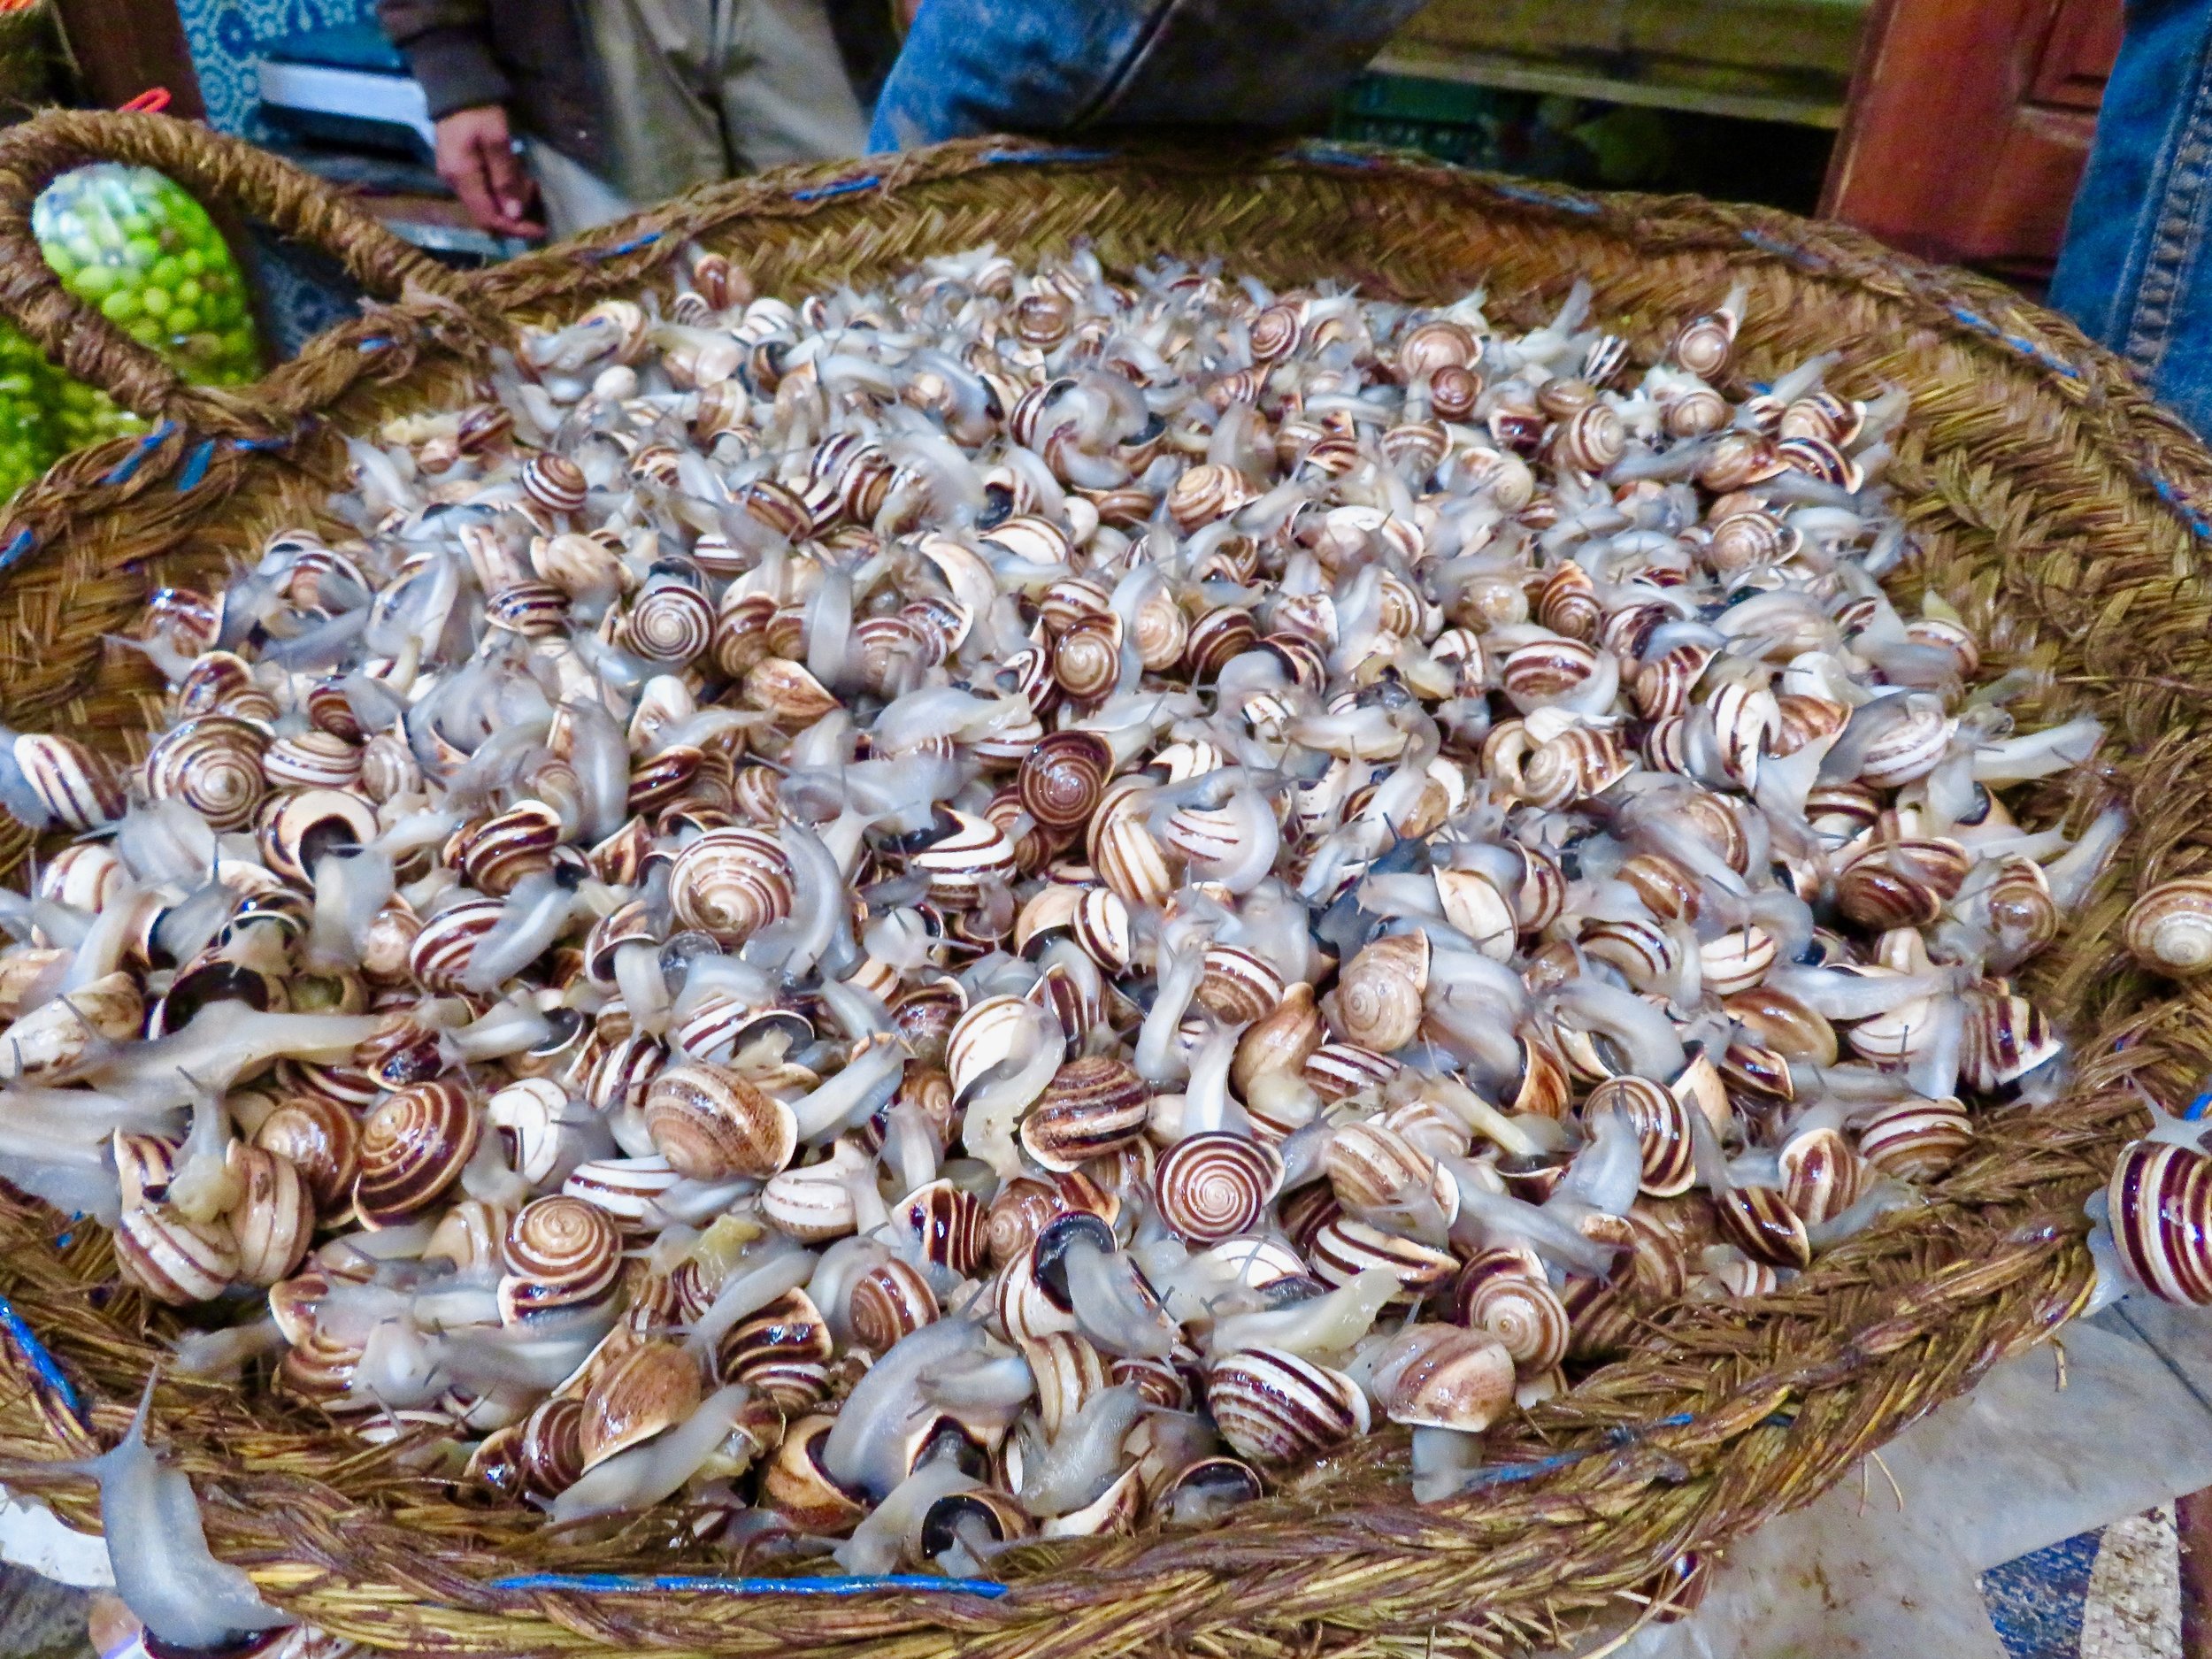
<point>213,168</point>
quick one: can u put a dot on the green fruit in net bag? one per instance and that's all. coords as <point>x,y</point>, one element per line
<point>133,244</point>
<point>28,440</point>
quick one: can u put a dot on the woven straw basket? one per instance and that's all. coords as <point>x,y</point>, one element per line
<point>2064,516</point>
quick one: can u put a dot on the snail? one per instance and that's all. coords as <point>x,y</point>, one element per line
<point>979,906</point>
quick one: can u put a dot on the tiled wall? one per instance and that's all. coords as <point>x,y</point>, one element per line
<point>226,38</point>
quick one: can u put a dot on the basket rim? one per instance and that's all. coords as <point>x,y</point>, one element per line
<point>2040,1249</point>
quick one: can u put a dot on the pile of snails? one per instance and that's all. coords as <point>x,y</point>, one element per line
<point>1025,900</point>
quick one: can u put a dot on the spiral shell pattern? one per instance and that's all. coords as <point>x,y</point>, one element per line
<point>1062,779</point>
<point>1505,1292</point>
<point>555,482</point>
<point>730,883</point>
<point>784,1350</point>
<point>413,1146</point>
<point>439,959</point>
<point>1345,1247</point>
<point>2159,1202</point>
<point>1214,1186</point>
<point>671,621</point>
<point>712,1125</point>
<point>2168,928</point>
<point>1091,1106</point>
<point>212,765</point>
<point>888,1302</point>
<point>560,1253</point>
<point>77,787</point>
<point>1916,1139</point>
<point>1275,1407</point>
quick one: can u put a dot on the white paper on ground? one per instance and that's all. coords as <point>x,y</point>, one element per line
<point>32,1537</point>
<point>2016,1465</point>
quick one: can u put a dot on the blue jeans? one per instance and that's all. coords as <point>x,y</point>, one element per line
<point>1053,67</point>
<point>2136,272</point>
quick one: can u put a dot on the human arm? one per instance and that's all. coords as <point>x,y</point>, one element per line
<point>448,47</point>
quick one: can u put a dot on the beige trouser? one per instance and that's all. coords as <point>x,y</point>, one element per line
<point>700,90</point>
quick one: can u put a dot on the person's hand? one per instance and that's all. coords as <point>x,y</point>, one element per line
<point>476,156</point>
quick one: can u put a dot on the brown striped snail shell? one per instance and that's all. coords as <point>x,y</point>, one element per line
<point>1662,1122</point>
<point>313,760</point>
<point>888,1302</point>
<point>1758,1221</point>
<point>1069,1371</point>
<point>1346,1247</point>
<point>1371,1166</point>
<point>555,482</point>
<point>1091,1106</point>
<point>1062,779</point>
<point>730,883</point>
<point>77,787</point>
<point>1237,986</point>
<point>2168,928</point>
<point>784,1350</point>
<point>175,1261</point>
<point>2007,1037</point>
<point>1702,344</point>
<point>628,1189</point>
<point>950,1226</point>
<point>642,1392</point>
<point>273,1219</point>
<point>471,1234</point>
<point>1216,1184</point>
<point>710,1124</point>
<point>671,620</point>
<point>1902,883</point>
<point>2022,914</point>
<point>388,768</point>
<point>413,1146</point>
<point>212,764</point>
<point>1908,747</point>
<point>969,853</point>
<point>495,853</point>
<point>1338,1069</point>
<point>1821,1177</point>
<point>1504,1293</point>
<point>1203,493</point>
<point>551,1449</point>
<point>1546,671</point>
<point>1568,602</point>
<point>300,826</point>
<point>1427,349</point>
<point>561,1253</point>
<point>2159,1202</point>
<point>56,1038</point>
<point>794,1484</point>
<point>439,959</point>
<point>1219,635</point>
<point>814,1202</point>
<point>1591,439</point>
<point>1275,1407</point>
<point>1916,1139</point>
<point>320,1138</point>
<point>1086,657</point>
<point>1376,1002</point>
<point>1280,1040</point>
<point>1444,1376</point>
<point>785,690</point>
<point>1737,960</point>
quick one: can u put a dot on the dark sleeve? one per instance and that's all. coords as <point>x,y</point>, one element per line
<point>449,51</point>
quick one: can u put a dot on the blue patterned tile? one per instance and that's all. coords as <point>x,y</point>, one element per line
<point>2036,1600</point>
<point>227,37</point>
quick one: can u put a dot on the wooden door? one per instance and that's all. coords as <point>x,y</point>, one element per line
<point>1969,124</point>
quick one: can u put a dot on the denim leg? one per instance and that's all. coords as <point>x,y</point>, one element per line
<point>974,66</point>
<point>2133,272</point>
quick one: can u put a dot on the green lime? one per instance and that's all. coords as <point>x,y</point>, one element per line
<point>121,306</point>
<point>95,282</point>
<point>155,301</point>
